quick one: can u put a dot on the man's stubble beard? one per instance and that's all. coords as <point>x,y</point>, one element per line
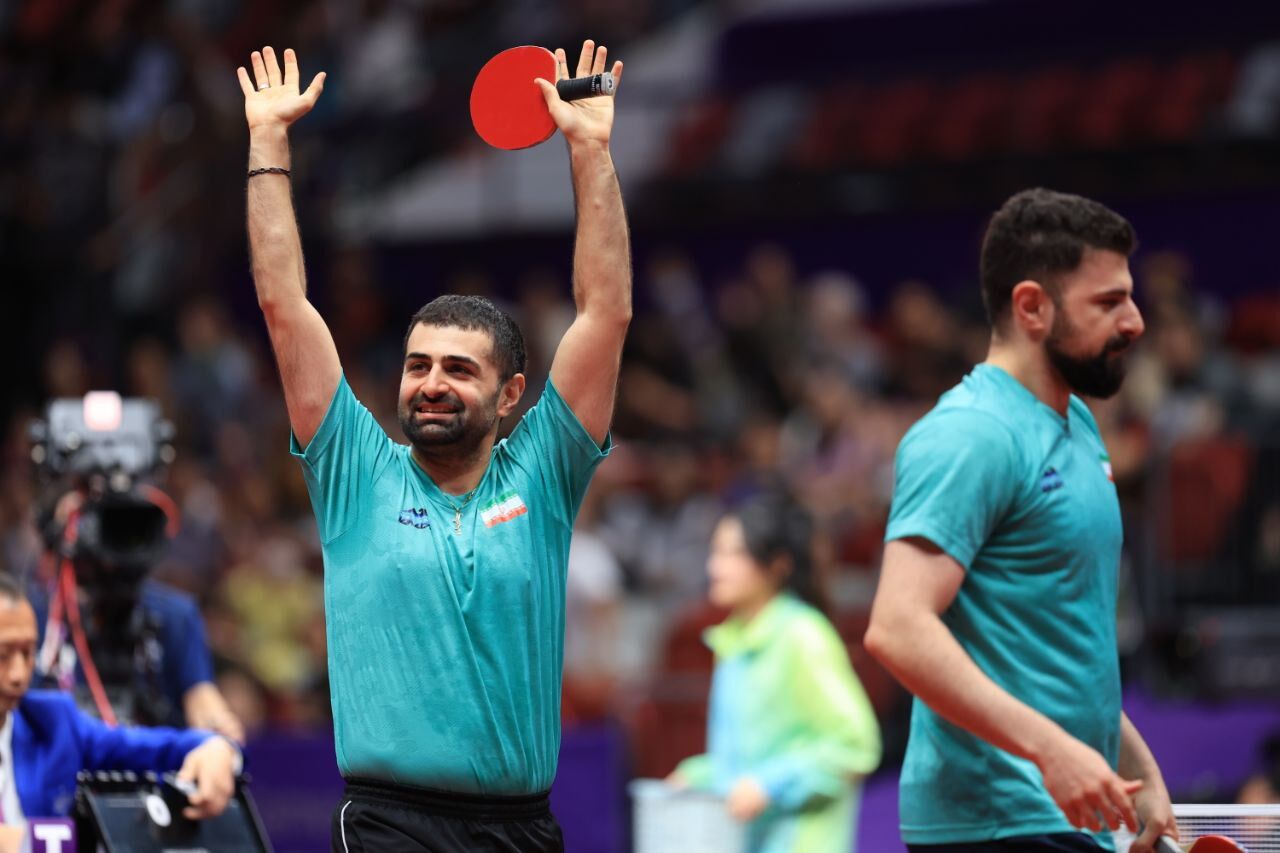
<point>461,436</point>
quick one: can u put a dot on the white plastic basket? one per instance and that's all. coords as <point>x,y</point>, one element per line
<point>1256,828</point>
<point>666,820</point>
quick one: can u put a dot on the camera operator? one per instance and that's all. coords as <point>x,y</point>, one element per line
<point>45,740</point>
<point>135,646</point>
<point>150,639</point>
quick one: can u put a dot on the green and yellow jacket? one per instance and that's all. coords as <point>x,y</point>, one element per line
<point>787,710</point>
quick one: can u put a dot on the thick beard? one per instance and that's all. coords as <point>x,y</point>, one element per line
<point>1096,376</point>
<point>461,436</point>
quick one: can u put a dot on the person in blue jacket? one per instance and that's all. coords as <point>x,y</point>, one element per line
<point>45,740</point>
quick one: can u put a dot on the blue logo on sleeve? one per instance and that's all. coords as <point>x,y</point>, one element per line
<point>1050,481</point>
<point>415,517</point>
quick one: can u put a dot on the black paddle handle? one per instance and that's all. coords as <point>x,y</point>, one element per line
<point>577,88</point>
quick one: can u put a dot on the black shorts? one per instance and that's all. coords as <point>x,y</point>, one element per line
<point>1059,842</point>
<point>377,817</point>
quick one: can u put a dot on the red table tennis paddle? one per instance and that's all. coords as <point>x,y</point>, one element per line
<point>1203,844</point>
<point>507,107</point>
<point>1214,844</point>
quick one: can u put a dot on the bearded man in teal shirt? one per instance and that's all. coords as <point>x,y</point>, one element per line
<point>445,560</point>
<point>997,600</point>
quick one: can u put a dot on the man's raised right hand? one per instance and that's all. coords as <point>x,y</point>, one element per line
<point>275,100</point>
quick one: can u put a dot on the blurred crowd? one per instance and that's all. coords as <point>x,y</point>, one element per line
<point>122,133</point>
<point>122,253</point>
<point>762,379</point>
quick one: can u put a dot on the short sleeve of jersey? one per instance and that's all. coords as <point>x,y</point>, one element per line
<point>341,461</point>
<point>551,441</point>
<point>957,473</point>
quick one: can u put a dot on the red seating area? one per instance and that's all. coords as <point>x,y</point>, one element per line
<point>971,118</point>
<point>699,133</point>
<point>1040,109</point>
<point>1208,479</point>
<point>1127,101</point>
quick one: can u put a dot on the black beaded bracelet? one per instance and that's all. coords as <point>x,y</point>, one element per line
<point>269,170</point>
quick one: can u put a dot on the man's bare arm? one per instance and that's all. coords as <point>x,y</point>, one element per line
<point>1155,812</point>
<point>918,582</point>
<point>206,708</point>
<point>585,368</point>
<point>304,348</point>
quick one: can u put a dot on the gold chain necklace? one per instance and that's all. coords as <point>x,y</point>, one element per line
<point>457,509</point>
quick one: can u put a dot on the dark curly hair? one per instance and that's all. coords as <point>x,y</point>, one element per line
<point>476,313</point>
<point>1039,235</point>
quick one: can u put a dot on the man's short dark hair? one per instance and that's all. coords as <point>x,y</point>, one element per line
<point>476,313</point>
<point>10,590</point>
<point>1039,235</point>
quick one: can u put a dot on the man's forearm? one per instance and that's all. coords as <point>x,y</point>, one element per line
<point>305,353</point>
<point>928,660</point>
<point>205,708</point>
<point>602,247</point>
<point>274,245</point>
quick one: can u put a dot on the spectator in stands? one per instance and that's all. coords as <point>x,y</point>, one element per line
<point>836,329</point>
<point>834,465</point>
<point>593,595</point>
<point>924,356</point>
<point>275,600</point>
<point>661,537</point>
<point>790,729</point>
<point>1264,785</point>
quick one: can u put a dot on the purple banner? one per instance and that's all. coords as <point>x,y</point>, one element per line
<point>296,785</point>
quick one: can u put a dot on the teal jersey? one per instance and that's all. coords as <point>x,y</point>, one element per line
<point>446,648</point>
<point>1022,498</point>
<point>787,710</point>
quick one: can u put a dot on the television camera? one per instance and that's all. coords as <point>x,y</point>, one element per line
<point>103,521</point>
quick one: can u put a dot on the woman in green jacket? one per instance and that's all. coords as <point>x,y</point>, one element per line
<point>790,730</point>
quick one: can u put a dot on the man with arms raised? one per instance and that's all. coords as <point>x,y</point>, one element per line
<point>445,561</point>
<point>997,599</point>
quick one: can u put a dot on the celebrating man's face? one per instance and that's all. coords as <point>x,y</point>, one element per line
<point>450,389</point>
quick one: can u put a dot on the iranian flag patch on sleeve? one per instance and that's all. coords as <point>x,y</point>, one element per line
<point>505,508</point>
